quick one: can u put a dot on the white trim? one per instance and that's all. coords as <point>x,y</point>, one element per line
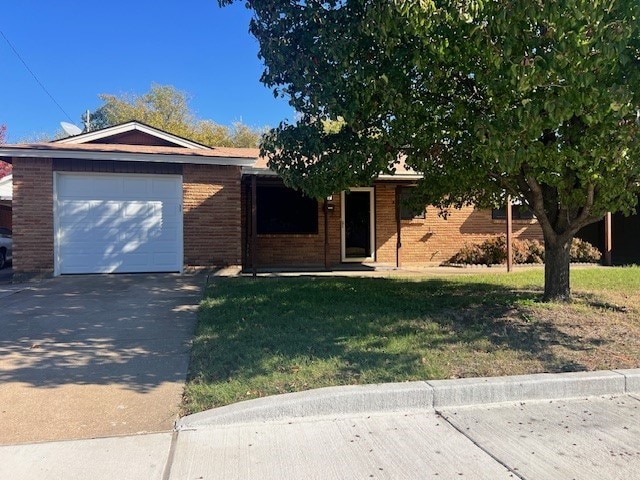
<point>400,176</point>
<point>56,239</point>
<point>56,230</point>
<point>131,127</point>
<point>397,176</point>
<point>124,156</point>
<point>258,171</point>
<point>372,226</point>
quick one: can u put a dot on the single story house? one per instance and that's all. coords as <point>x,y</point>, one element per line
<point>131,198</point>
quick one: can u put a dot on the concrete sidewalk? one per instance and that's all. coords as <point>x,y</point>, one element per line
<point>561,426</point>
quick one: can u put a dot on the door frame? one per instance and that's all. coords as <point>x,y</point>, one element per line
<point>372,226</point>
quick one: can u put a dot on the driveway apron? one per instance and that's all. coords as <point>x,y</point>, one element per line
<point>94,356</point>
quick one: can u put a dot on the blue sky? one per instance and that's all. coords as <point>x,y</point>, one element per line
<point>81,49</point>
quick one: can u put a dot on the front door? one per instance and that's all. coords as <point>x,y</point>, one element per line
<point>358,239</point>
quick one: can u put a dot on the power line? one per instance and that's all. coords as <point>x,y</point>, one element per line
<point>34,76</point>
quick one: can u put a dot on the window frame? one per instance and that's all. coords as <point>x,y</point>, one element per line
<point>518,212</point>
<point>403,211</point>
<point>288,197</point>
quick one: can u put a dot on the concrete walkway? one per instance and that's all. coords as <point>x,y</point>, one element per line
<point>564,426</point>
<point>94,356</point>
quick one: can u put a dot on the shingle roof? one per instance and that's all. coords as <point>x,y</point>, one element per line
<point>227,152</point>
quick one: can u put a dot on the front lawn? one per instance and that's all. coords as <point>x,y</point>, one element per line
<point>264,336</point>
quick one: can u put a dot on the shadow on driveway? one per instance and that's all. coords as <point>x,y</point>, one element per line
<point>124,338</point>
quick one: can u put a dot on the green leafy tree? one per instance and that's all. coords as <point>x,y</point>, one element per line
<point>167,109</point>
<point>533,98</point>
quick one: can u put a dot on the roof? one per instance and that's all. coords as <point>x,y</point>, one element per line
<point>132,126</point>
<point>135,153</point>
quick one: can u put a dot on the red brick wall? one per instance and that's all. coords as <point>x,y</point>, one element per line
<point>212,215</point>
<point>431,240</point>
<point>294,250</point>
<point>32,215</point>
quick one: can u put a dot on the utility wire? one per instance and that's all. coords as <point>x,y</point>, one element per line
<point>34,76</point>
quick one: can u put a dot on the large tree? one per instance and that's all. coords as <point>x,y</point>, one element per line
<point>535,99</point>
<point>166,108</point>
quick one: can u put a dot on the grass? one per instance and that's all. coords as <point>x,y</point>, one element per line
<point>265,336</point>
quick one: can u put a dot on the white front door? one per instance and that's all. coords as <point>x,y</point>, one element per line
<point>124,223</point>
<point>358,225</point>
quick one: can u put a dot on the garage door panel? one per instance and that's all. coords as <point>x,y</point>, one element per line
<point>138,208</point>
<point>135,187</point>
<point>118,223</point>
<point>164,187</point>
<point>74,187</point>
<point>163,259</point>
<point>74,234</point>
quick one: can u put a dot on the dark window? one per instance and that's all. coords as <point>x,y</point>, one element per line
<point>284,210</point>
<point>518,212</point>
<point>408,208</point>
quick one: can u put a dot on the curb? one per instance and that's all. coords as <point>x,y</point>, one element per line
<point>420,395</point>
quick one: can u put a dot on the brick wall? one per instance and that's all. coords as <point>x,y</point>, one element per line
<point>433,240</point>
<point>32,215</point>
<point>293,250</point>
<point>212,215</point>
<point>427,241</point>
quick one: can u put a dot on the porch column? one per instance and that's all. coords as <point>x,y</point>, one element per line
<point>254,224</point>
<point>326,233</point>
<point>398,229</point>
<point>509,234</point>
<point>608,239</point>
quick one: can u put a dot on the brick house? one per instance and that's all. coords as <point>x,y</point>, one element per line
<point>131,198</point>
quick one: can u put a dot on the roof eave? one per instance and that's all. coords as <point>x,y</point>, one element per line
<point>398,176</point>
<point>9,153</point>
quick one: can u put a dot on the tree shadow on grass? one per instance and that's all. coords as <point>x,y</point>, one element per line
<point>288,334</point>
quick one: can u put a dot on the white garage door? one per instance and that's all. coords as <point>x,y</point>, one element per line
<point>108,223</point>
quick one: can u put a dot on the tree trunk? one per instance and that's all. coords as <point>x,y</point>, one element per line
<point>556,271</point>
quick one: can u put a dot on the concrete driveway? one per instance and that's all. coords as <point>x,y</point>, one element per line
<point>94,356</point>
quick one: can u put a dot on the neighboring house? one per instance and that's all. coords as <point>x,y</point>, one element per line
<point>6,197</point>
<point>131,198</point>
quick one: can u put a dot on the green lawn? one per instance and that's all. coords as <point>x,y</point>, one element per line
<point>264,336</point>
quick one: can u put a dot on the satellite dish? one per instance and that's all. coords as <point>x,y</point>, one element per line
<point>70,128</point>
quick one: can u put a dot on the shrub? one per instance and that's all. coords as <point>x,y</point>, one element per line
<point>469,254</point>
<point>527,251</point>
<point>584,252</point>
<point>493,251</point>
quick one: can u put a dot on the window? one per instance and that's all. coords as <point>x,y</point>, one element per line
<point>284,210</point>
<point>518,212</point>
<point>408,209</point>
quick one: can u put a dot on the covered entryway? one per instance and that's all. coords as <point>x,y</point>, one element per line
<point>358,234</point>
<point>117,223</point>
